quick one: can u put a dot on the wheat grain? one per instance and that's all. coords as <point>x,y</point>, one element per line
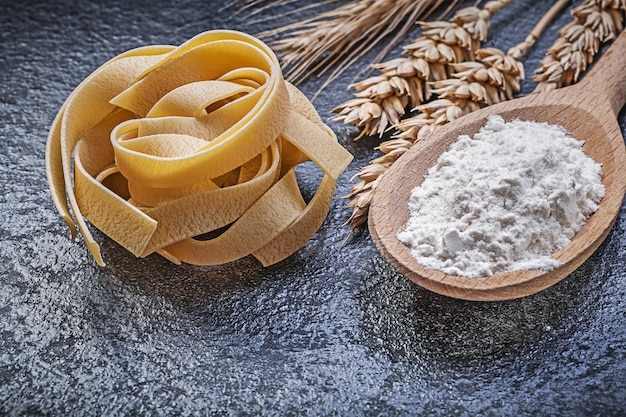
<point>593,23</point>
<point>427,59</point>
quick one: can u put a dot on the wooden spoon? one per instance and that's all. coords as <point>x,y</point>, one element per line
<point>588,110</point>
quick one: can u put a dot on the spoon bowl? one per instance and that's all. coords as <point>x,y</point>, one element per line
<point>588,110</point>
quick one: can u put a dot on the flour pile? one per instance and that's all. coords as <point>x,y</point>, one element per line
<point>502,201</point>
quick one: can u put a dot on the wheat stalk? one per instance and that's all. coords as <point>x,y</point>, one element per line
<point>493,78</point>
<point>382,100</point>
<point>594,22</point>
<point>337,38</point>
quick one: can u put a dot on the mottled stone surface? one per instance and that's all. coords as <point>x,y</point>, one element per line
<point>328,331</point>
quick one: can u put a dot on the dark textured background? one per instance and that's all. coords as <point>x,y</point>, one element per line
<point>326,332</point>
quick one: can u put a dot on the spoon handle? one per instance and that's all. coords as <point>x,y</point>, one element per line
<point>607,78</point>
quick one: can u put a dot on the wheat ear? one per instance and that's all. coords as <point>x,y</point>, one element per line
<point>594,22</point>
<point>382,100</point>
<point>493,78</point>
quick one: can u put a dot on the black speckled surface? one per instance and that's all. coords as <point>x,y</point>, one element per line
<point>325,332</point>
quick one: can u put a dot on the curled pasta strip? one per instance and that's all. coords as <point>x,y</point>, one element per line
<point>171,143</point>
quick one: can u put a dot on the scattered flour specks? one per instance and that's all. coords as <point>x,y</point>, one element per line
<point>502,201</point>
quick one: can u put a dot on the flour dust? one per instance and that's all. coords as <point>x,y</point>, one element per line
<point>502,201</point>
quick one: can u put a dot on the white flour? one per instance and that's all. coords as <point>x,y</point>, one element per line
<point>503,201</point>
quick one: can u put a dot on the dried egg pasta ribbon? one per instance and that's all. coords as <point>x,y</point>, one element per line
<point>170,143</point>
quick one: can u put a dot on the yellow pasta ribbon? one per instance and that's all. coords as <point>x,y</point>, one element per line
<point>190,152</point>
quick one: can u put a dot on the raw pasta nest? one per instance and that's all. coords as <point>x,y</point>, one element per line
<point>170,143</point>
